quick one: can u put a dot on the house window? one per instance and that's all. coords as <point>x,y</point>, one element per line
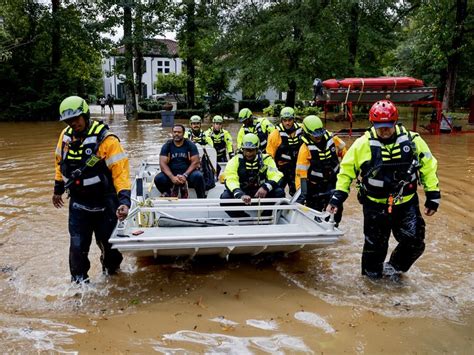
<point>120,91</point>
<point>160,70</point>
<point>167,70</point>
<point>144,66</point>
<point>167,63</point>
<point>160,63</point>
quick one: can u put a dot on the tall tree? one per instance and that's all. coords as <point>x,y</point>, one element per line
<point>437,45</point>
<point>187,30</point>
<point>454,57</point>
<point>130,100</point>
<point>279,45</point>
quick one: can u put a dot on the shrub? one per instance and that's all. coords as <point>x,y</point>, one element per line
<point>151,105</point>
<point>226,105</point>
<point>254,105</point>
<point>187,113</point>
<point>307,110</point>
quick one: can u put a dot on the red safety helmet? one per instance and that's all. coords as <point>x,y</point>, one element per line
<point>383,114</point>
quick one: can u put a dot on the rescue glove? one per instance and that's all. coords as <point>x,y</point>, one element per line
<point>338,198</point>
<point>432,200</point>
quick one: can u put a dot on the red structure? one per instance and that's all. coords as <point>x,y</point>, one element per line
<point>400,90</point>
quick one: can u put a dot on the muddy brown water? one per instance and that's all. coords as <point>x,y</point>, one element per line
<point>313,302</point>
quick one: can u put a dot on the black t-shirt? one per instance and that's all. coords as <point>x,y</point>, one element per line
<point>179,157</point>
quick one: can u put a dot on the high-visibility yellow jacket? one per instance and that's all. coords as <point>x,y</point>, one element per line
<point>72,154</point>
<point>384,169</point>
<point>242,175</point>
<point>201,139</point>
<point>262,127</point>
<point>313,160</point>
<point>221,140</point>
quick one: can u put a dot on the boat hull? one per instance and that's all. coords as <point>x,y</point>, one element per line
<point>191,227</point>
<point>391,83</point>
<point>370,96</point>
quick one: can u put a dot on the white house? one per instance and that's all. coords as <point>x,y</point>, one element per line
<point>161,57</point>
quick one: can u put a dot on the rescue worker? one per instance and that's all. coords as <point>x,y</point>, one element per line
<point>318,164</point>
<point>221,139</point>
<point>93,168</point>
<point>251,174</point>
<point>389,160</point>
<point>196,134</point>
<point>283,145</point>
<point>179,165</point>
<point>251,124</point>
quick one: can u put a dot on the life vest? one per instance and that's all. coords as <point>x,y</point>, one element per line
<point>219,142</point>
<point>287,153</point>
<point>85,174</point>
<point>252,173</point>
<point>324,164</point>
<point>200,139</point>
<point>388,170</point>
<point>257,129</point>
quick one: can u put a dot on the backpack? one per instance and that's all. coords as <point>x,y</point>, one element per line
<point>208,173</point>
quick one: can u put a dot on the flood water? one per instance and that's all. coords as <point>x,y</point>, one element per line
<point>313,302</point>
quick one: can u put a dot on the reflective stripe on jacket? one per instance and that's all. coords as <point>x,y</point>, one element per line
<point>221,140</point>
<point>359,158</point>
<point>201,139</point>
<point>242,174</point>
<point>284,147</point>
<point>319,165</point>
<point>111,163</point>
<point>262,127</point>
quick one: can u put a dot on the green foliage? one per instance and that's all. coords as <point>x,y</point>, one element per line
<point>307,110</point>
<point>226,105</point>
<point>174,84</point>
<point>254,105</point>
<point>32,85</point>
<point>151,105</point>
<point>427,42</point>
<point>187,113</point>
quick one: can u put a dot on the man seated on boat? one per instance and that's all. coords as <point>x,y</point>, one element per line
<point>284,144</point>
<point>251,124</point>
<point>179,164</point>
<point>251,174</point>
<point>196,134</point>
<point>221,139</point>
<point>318,164</point>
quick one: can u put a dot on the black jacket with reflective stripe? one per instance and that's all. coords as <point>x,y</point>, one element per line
<point>287,152</point>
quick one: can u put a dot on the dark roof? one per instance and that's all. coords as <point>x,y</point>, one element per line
<point>157,48</point>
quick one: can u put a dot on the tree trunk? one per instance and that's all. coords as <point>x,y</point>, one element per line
<point>353,36</point>
<point>130,107</point>
<point>454,58</point>
<point>191,44</point>
<point>55,36</point>
<point>291,94</point>
<point>138,46</point>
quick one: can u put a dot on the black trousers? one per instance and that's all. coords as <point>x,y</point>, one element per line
<point>195,179</point>
<point>275,193</point>
<point>408,228</point>
<point>288,178</point>
<point>82,224</point>
<point>318,198</point>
